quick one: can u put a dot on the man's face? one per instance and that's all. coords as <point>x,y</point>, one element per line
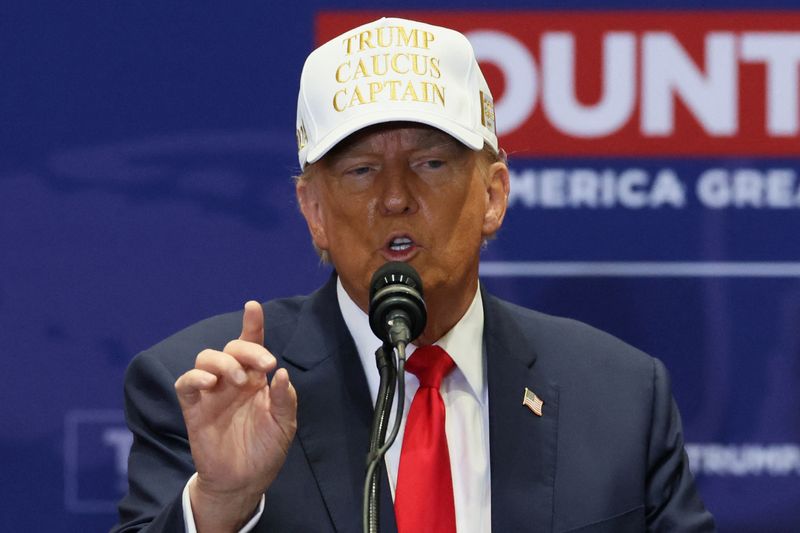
<point>404,192</point>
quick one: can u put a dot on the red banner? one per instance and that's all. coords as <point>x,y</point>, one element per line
<point>622,83</point>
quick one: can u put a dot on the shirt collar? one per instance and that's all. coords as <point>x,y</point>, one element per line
<point>464,342</point>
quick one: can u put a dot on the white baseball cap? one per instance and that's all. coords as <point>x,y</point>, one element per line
<point>392,70</point>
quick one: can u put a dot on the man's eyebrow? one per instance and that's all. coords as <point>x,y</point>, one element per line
<point>353,150</point>
<point>442,141</point>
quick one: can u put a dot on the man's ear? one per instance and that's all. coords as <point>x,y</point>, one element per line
<point>497,190</point>
<point>307,190</point>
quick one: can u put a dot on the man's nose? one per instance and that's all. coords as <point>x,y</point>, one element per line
<point>398,196</point>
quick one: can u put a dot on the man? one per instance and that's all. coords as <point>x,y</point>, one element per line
<point>400,163</point>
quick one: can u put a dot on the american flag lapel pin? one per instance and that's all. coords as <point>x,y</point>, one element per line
<point>532,402</point>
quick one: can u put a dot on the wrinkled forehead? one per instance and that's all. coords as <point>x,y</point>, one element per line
<point>385,137</point>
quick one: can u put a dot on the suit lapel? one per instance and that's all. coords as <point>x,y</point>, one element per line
<point>522,445</point>
<point>335,413</point>
<point>334,410</point>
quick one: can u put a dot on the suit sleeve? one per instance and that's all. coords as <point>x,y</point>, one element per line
<point>673,503</point>
<point>160,462</point>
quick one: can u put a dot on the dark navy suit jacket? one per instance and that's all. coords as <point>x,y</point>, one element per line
<point>607,454</point>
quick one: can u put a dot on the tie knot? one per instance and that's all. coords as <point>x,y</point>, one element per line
<point>430,364</point>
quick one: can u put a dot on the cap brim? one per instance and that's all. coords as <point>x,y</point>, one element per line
<point>471,139</point>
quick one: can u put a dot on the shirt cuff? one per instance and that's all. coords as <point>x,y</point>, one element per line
<point>188,515</point>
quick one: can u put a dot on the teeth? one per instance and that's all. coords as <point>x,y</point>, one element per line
<point>400,243</point>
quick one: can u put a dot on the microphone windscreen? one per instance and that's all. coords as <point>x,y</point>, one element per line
<point>395,272</point>
<point>396,291</point>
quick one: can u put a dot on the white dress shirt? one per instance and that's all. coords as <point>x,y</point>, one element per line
<point>466,400</point>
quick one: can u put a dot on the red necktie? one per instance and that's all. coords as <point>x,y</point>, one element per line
<point>424,495</point>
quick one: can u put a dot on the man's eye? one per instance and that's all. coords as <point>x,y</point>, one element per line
<point>359,171</point>
<point>434,163</point>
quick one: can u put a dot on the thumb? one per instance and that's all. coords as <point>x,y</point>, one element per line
<point>253,323</point>
<point>283,401</point>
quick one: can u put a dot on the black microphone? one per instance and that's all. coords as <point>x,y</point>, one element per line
<point>396,307</point>
<point>397,316</point>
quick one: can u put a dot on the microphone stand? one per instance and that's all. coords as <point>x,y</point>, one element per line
<point>390,378</point>
<point>378,434</point>
<point>397,315</point>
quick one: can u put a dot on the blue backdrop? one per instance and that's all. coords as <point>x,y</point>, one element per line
<point>146,151</point>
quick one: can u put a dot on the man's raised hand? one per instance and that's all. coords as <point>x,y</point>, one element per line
<point>239,425</point>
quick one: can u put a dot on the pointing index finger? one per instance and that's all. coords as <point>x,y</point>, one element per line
<point>253,323</point>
